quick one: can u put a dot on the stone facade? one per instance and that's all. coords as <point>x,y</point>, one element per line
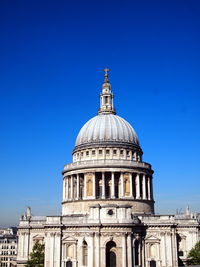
<point>108,215</point>
<point>8,247</point>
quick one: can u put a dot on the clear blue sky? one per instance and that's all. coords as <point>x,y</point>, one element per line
<point>51,58</point>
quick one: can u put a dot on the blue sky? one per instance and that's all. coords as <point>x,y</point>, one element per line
<point>52,55</point>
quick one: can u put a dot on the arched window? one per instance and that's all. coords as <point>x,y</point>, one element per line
<point>111,254</point>
<point>152,251</point>
<point>70,250</point>
<point>85,253</point>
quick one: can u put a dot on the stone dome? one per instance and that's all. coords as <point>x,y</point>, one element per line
<point>106,129</point>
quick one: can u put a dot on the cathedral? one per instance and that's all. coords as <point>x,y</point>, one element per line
<point>108,217</point>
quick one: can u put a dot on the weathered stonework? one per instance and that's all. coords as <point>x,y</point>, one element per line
<point>108,215</point>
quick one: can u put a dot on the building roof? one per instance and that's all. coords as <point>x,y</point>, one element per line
<point>106,128</point>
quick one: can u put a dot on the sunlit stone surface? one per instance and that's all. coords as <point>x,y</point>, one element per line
<point>108,215</point>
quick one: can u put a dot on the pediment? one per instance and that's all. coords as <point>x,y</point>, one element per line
<point>152,238</point>
<point>69,239</point>
<point>38,237</point>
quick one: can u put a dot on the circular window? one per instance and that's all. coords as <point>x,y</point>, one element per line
<point>110,212</point>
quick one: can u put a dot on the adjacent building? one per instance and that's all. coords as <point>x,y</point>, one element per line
<point>8,247</point>
<point>108,215</point>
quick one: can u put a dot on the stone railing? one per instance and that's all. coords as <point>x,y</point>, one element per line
<point>105,163</point>
<point>53,220</point>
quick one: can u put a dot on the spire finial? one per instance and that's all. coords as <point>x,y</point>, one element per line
<point>106,97</point>
<point>106,70</point>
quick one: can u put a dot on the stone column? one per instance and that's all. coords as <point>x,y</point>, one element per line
<point>133,251</point>
<point>67,188</point>
<point>103,185</point>
<point>97,255</point>
<point>64,188</point>
<point>19,252</point>
<point>90,250</point>
<point>72,187</point>
<point>52,247</point>
<point>78,185</point>
<point>94,185</point>
<point>26,244</point>
<point>144,186</point>
<point>57,250</point>
<point>47,249</point>
<point>122,184</point>
<point>124,251</point>
<point>137,186</point>
<point>84,181</point>
<point>113,184</point>
<point>149,188</point>
<point>131,185</point>
<point>174,248</point>
<point>129,251</point>
<point>62,255</point>
<point>22,245</point>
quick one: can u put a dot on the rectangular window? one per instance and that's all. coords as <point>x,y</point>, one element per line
<point>100,152</point>
<point>87,153</point>
<point>81,153</point>
<point>121,152</point>
<point>93,152</point>
<point>106,100</point>
<point>114,152</point>
<point>107,151</point>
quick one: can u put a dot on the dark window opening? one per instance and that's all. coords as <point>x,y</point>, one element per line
<point>111,260</point>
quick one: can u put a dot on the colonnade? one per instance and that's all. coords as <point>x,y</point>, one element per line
<point>107,185</point>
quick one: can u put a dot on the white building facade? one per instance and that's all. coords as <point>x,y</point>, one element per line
<point>8,247</point>
<point>108,215</point>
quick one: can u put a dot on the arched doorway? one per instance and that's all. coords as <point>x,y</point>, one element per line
<point>152,263</point>
<point>111,254</point>
<point>68,264</point>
